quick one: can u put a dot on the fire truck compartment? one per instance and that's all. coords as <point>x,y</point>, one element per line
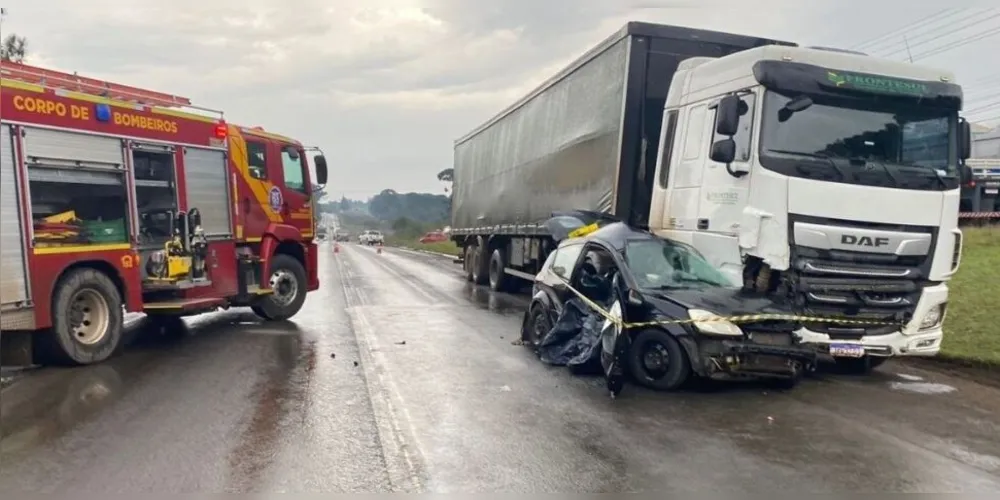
<point>14,293</point>
<point>208,189</point>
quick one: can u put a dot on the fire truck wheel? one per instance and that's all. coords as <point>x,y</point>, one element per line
<point>87,320</point>
<point>288,280</point>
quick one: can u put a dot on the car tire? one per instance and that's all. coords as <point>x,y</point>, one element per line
<point>538,325</point>
<point>678,367</point>
<point>87,320</point>
<point>283,303</point>
<point>481,267</point>
<point>499,281</point>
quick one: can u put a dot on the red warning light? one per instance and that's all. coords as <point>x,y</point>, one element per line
<point>221,131</point>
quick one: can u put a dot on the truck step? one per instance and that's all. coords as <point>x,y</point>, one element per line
<point>257,290</point>
<point>182,305</point>
<point>152,285</point>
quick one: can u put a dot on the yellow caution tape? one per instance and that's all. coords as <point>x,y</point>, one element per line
<point>746,318</point>
<point>583,231</point>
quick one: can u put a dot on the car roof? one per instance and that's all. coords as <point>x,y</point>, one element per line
<point>614,235</point>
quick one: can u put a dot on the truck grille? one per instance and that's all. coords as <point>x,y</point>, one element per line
<point>864,271</point>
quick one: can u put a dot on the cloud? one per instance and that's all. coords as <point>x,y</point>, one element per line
<point>385,86</point>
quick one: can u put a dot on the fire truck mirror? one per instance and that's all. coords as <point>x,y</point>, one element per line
<point>320,162</point>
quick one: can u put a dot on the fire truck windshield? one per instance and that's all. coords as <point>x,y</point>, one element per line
<point>859,141</point>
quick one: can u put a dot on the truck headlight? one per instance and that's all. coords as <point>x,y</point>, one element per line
<point>933,317</point>
<point>717,327</point>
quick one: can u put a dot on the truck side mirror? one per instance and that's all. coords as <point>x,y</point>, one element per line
<point>723,151</point>
<point>964,139</point>
<point>965,175</point>
<point>321,173</point>
<point>727,116</point>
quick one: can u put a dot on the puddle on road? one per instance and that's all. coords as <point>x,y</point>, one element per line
<point>928,388</point>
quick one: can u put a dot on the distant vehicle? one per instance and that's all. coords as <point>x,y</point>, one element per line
<point>433,237</point>
<point>341,235</point>
<point>371,237</point>
<point>641,277</point>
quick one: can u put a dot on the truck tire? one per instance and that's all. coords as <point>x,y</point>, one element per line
<point>499,281</point>
<point>666,369</point>
<point>288,280</point>
<point>481,266</point>
<point>468,262</point>
<point>87,320</point>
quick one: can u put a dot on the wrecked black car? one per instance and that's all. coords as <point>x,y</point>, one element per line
<point>636,277</point>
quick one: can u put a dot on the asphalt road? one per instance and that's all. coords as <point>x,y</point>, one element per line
<point>399,376</point>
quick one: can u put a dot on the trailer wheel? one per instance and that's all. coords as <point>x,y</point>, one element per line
<point>498,277</point>
<point>87,320</point>
<point>481,266</point>
<point>288,282</point>
<point>658,361</point>
<point>468,262</point>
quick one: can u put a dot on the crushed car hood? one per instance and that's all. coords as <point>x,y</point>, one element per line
<point>723,301</point>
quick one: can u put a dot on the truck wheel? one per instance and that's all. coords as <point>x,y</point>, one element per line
<point>481,267</point>
<point>656,360</point>
<point>468,263</point>
<point>499,280</point>
<point>288,280</point>
<point>87,320</point>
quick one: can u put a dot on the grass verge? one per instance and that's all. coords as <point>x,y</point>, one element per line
<point>972,334</point>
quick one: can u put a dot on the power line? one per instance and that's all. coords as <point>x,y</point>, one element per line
<point>943,35</point>
<point>896,31</point>
<point>958,43</point>
<point>907,40</point>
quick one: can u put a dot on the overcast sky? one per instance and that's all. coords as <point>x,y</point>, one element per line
<point>384,87</point>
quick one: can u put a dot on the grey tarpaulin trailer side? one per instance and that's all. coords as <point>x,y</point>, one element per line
<point>587,138</point>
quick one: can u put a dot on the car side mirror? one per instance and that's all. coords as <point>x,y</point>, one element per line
<point>964,139</point>
<point>723,151</point>
<point>727,116</point>
<point>559,270</point>
<point>321,172</point>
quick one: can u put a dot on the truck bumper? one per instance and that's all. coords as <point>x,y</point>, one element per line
<point>910,341</point>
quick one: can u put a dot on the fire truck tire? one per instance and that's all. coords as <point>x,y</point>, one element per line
<point>87,320</point>
<point>288,280</point>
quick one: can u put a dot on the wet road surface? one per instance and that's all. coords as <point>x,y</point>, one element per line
<point>399,376</point>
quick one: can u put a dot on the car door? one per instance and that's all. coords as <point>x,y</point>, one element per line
<point>559,272</point>
<point>615,341</point>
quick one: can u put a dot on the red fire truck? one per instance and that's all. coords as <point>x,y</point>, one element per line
<point>120,199</point>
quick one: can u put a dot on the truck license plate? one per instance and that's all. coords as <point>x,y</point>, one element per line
<point>847,350</point>
<point>991,191</point>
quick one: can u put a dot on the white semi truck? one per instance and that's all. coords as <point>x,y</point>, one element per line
<point>826,177</point>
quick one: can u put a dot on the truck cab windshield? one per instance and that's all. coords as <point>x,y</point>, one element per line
<point>861,141</point>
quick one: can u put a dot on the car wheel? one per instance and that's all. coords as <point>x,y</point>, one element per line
<point>537,327</point>
<point>656,360</point>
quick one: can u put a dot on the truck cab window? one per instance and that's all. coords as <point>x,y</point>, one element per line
<point>294,173</point>
<point>744,135</point>
<point>668,147</point>
<point>257,159</point>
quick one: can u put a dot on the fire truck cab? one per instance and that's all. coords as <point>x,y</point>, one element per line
<point>119,199</point>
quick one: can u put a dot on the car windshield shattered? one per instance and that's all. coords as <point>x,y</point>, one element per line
<point>663,264</point>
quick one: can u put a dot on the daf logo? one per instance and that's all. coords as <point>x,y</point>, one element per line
<point>863,241</point>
